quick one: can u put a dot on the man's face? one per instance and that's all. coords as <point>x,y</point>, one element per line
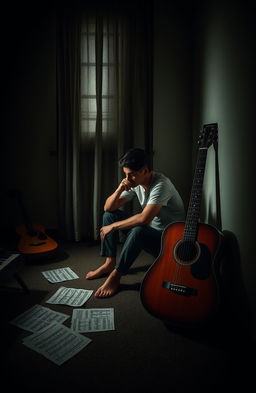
<point>135,177</point>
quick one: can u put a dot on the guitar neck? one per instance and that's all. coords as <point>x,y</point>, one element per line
<point>193,214</point>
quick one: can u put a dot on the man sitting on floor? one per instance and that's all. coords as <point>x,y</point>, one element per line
<point>160,203</point>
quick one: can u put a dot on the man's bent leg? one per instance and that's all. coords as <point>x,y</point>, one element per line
<point>108,246</point>
<point>137,239</point>
<point>129,252</point>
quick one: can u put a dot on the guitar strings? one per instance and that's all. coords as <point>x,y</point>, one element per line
<point>193,211</point>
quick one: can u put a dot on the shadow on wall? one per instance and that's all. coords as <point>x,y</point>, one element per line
<point>235,303</point>
<point>235,310</point>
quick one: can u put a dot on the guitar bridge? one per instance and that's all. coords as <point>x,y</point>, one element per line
<point>179,289</point>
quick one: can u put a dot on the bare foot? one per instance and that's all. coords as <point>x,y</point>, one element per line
<point>110,286</point>
<point>106,268</point>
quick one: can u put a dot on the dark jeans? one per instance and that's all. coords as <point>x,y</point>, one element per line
<point>138,238</point>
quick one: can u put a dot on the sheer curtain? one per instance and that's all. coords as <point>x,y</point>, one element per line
<point>68,123</point>
<point>114,112</point>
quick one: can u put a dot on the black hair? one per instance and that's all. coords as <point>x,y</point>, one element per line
<point>134,159</point>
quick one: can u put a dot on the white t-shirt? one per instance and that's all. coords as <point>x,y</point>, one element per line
<point>162,192</point>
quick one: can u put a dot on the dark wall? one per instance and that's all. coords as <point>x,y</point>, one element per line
<point>28,121</point>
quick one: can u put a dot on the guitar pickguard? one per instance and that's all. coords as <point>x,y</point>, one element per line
<point>201,269</point>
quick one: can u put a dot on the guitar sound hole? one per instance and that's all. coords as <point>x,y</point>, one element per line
<point>186,252</point>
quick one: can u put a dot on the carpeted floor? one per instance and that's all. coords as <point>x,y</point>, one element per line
<point>141,354</point>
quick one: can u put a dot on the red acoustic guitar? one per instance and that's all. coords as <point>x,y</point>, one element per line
<point>181,285</point>
<point>33,238</point>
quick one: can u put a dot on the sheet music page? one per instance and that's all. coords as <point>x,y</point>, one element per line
<point>59,275</point>
<point>70,296</point>
<point>56,342</point>
<point>93,320</point>
<point>5,261</point>
<point>37,317</point>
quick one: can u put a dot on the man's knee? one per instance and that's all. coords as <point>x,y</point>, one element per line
<point>142,235</point>
<point>137,232</point>
<point>112,216</point>
<point>109,217</point>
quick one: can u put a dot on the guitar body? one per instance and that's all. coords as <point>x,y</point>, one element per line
<point>180,290</point>
<point>34,241</point>
<point>181,285</point>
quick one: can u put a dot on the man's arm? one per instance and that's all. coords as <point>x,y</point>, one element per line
<point>143,218</point>
<point>114,202</point>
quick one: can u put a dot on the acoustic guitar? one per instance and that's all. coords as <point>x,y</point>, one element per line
<point>181,286</point>
<point>33,238</point>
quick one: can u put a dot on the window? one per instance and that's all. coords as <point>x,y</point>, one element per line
<point>88,78</point>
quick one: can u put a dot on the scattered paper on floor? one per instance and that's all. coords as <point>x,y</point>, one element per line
<point>70,296</point>
<point>59,275</point>
<point>57,342</point>
<point>93,320</point>
<point>37,317</point>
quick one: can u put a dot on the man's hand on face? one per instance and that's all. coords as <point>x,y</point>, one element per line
<point>125,184</point>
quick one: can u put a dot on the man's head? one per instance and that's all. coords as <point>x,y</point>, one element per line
<point>135,165</point>
<point>134,159</point>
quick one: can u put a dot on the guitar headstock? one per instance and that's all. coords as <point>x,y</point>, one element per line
<point>208,136</point>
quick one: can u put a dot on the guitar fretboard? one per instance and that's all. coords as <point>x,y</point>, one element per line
<point>193,213</point>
